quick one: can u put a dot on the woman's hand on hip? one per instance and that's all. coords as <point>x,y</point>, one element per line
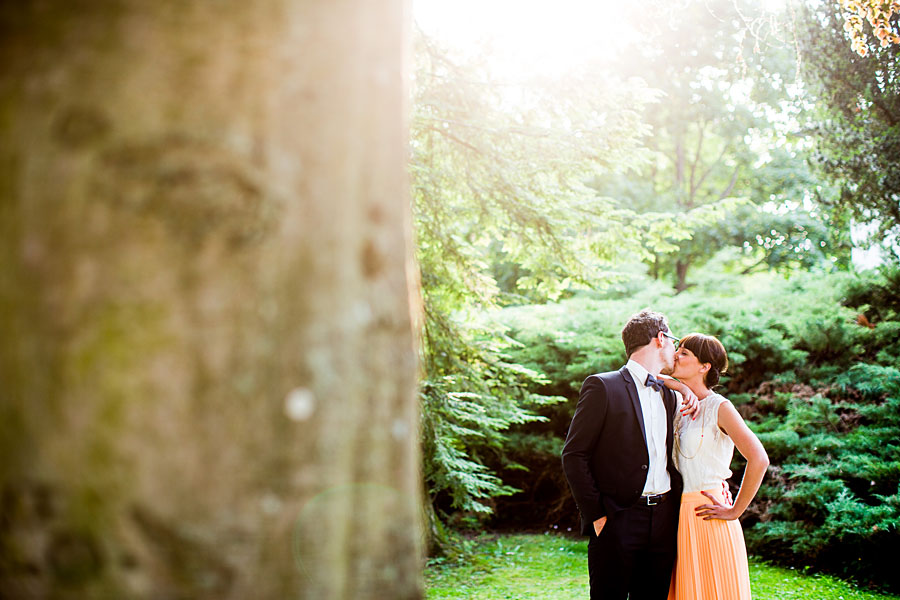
<point>716,510</point>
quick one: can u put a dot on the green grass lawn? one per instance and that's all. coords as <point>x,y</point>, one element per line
<point>551,567</point>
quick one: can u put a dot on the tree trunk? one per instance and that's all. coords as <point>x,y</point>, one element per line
<point>681,269</point>
<point>207,367</point>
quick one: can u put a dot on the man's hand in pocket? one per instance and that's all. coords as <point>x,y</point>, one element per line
<point>598,525</point>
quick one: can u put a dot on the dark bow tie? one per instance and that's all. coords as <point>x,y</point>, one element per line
<point>656,384</point>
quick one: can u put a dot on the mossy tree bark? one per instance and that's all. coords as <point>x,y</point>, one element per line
<point>207,366</point>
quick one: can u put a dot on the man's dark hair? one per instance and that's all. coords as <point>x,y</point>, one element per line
<point>641,328</point>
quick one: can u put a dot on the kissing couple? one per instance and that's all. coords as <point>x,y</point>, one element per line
<point>647,459</point>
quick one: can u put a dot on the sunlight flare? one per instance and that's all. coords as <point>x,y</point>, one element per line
<point>529,37</point>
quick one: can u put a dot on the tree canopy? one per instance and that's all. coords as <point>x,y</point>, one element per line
<point>855,124</point>
<point>729,163</point>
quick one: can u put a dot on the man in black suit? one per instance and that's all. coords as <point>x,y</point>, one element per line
<point>618,461</point>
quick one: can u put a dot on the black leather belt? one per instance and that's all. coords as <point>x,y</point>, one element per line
<point>653,500</point>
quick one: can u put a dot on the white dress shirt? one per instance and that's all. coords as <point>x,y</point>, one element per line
<point>654,413</point>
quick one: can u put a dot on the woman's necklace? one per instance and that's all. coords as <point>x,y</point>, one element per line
<point>702,432</point>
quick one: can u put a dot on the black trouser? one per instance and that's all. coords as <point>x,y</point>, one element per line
<point>634,554</point>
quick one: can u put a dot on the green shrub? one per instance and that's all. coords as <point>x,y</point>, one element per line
<point>834,501</point>
<point>780,444</point>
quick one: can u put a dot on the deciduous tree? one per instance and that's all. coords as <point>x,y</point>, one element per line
<point>857,122</point>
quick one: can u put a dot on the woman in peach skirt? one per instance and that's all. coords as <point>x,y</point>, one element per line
<point>711,563</point>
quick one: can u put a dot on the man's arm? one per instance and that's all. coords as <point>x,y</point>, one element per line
<point>590,414</point>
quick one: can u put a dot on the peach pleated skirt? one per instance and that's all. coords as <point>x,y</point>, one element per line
<point>712,559</point>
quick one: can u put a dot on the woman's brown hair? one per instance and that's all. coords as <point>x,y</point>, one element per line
<point>710,350</point>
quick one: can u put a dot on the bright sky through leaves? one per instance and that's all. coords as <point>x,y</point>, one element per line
<point>527,37</point>
<point>539,37</point>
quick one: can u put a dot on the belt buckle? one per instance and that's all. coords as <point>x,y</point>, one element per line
<point>652,500</point>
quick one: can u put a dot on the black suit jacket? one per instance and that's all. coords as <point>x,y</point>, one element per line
<point>605,456</point>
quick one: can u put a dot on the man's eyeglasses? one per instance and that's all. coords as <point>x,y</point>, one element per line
<point>674,339</point>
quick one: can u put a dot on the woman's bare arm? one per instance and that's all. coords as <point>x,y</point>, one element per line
<point>757,462</point>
